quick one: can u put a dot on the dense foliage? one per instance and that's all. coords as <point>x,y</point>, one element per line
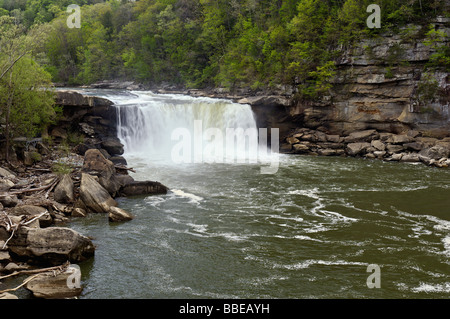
<point>197,43</point>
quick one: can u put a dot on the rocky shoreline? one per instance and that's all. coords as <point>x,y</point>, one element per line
<point>55,178</point>
<point>410,147</point>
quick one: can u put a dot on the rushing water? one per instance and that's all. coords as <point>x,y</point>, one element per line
<point>227,231</point>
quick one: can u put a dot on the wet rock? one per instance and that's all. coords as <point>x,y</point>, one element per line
<point>113,146</point>
<point>285,147</point>
<point>50,286</point>
<point>119,160</point>
<point>29,210</point>
<point>124,179</point>
<point>53,245</point>
<point>143,188</point>
<point>94,196</point>
<point>354,149</point>
<point>79,212</point>
<point>119,215</point>
<point>300,148</point>
<point>64,191</point>
<point>327,152</point>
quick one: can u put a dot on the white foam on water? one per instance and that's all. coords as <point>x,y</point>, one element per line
<point>311,262</point>
<point>432,288</point>
<point>193,198</point>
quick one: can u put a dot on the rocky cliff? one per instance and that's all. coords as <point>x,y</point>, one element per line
<point>382,83</point>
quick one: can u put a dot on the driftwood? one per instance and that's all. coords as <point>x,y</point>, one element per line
<point>55,270</point>
<point>42,188</point>
<point>11,227</point>
<point>125,168</point>
<point>37,271</point>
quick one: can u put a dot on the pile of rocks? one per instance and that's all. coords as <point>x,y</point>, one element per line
<point>29,231</point>
<point>409,147</point>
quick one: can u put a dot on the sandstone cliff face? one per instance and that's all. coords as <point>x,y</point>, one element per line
<point>376,86</point>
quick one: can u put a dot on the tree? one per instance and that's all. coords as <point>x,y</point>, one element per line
<point>26,102</point>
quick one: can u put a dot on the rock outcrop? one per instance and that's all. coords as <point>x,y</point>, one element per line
<point>52,245</point>
<point>94,196</point>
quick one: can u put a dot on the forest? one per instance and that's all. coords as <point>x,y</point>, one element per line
<point>255,44</point>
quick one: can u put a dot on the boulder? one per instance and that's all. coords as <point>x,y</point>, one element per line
<point>436,152</point>
<point>119,160</point>
<point>53,245</point>
<point>292,140</point>
<point>414,146</point>
<point>113,146</point>
<point>94,196</point>
<point>29,210</point>
<point>119,215</point>
<point>379,154</point>
<point>410,158</point>
<point>95,163</point>
<point>379,145</point>
<point>327,152</point>
<point>285,147</point>
<point>300,148</point>
<point>64,191</point>
<point>4,255</point>
<point>333,138</point>
<point>8,200</point>
<point>5,173</point>
<point>354,149</point>
<point>399,139</point>
<point>362,136</point>
<point>51,286</point>
<point>143,188</point>
<point>5,184</point>
<point>392,149</point>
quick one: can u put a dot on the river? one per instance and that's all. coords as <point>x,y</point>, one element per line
<point>309,230</point>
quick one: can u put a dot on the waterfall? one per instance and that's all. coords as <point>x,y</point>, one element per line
<point>157,126</point>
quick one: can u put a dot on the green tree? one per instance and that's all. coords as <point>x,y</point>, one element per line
<point>26,100</point>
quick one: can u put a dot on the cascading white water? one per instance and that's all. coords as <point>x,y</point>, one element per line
<point>147,125</point>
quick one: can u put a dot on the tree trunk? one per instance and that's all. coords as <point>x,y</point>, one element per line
<point>8,111</point>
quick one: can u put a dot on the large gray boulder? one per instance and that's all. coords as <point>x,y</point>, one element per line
<point>436,152</point>
<point>53,245</point>
<point>143,188</point>
<point>94,196</point>
<point>95,163</point>
<point>354,149</point>
<point>117,214</point>
<point>64,191</point>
